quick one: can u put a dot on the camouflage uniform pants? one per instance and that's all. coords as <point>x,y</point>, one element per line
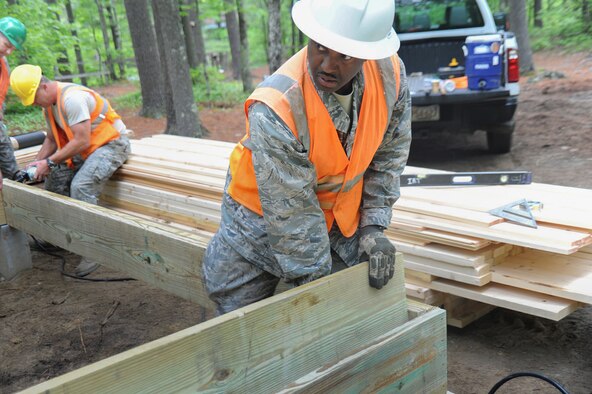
<point>233,282</point>
<point>8,164</point>
<point>86,180</point>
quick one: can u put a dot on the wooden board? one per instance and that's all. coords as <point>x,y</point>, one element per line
<point>2,214</point>
<point>442,270</point>
<point>450,255</point>
<point>334,333</point>
<point>567,277</point>
<point>422,277</point>
<point>460,312</point>
<point>159,255</point>
<point>542,238</point>
<point>561,205</point>
<point>441,237</point>
<point>423,294</point>
<point>520,300</point>
<point>464,215</point>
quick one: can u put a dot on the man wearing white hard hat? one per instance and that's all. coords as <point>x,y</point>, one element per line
<point>311,186</point>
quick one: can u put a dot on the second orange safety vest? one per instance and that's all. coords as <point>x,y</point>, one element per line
<point>101,119</point>
<point>4,80</point>
<point>289,92</point>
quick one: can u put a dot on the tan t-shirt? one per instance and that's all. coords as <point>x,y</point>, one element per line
<point>78,105</point>
<point>345,101</point>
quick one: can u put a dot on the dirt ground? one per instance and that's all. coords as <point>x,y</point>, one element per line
<point>50,324</point>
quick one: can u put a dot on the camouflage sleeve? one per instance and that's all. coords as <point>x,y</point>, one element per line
<point>382,178</point>
<point>286,180</point>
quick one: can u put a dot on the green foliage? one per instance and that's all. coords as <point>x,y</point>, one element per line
<point>127,101</point>
<point>215,90</point>
<point>26,122</point>
<point>20,119</point>
<point>43,33</point>
<point>563,25</point>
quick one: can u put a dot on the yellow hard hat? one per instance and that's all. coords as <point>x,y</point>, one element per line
<point>24,80</point>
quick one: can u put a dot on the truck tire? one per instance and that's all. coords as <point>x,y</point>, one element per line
<point>499,137</point>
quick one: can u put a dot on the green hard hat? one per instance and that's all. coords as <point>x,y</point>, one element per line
<point>14,30</point>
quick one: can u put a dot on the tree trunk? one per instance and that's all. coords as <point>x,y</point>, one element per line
<point>299,40</point>
<point>62,58</point>
<point>182,116</point>
<point>538,18</point>
<point>244,48</point>
<point>274,41</point>
<point>105,33</point>
<point>77,51</point>
<point>147,57</point>
<point>188,22</point>
<point>116,33</point>
<point>519,23</point>
<point>586,16</point>
<point>294,33</point>
<point>264,26</point>
<point>199,40</point>
<point>233,37</point>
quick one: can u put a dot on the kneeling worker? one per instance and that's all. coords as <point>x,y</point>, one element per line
<point>311,186</point>
<point>85,145</point>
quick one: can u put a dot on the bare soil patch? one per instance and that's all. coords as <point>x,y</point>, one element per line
<point>50,324</point>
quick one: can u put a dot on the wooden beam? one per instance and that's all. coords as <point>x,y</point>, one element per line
<point>448,271</point>
<point>160,255</point>
<point>567,277</point>
<point>403,361</point>
<point>2,213</point>
<point>329,334</point>
<point>532,303</point>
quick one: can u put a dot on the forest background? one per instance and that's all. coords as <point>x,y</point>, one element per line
<point>187,54</point>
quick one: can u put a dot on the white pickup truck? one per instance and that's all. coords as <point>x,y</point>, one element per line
<point>433,34</point>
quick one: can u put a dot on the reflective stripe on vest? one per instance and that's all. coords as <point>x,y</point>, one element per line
<point>101,121</point>
<point>291,94</point>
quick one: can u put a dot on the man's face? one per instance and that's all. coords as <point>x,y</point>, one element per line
<point>42,96</point>
<point>6,47</point>
<point>332,71</point>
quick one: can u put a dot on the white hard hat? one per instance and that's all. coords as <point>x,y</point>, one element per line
<point>359,28</point>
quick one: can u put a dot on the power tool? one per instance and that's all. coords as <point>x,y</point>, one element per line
<point>26,175</point>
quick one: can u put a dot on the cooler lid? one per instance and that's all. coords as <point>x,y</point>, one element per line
<point>483,38</point>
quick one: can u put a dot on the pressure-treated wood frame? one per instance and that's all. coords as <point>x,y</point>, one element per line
<point>333,335</point>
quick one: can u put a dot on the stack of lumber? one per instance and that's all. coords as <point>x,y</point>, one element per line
<point>456,254</point>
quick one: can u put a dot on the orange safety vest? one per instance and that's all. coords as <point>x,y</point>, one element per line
<point>101,120</point>
<point>339,178</point>
<point>4,80</point>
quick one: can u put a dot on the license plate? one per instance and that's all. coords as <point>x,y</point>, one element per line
<point>425,113</point>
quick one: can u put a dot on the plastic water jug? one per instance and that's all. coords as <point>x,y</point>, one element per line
<point>483,61</point>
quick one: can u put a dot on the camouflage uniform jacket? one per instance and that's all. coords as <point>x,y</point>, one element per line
<point>290,240</point>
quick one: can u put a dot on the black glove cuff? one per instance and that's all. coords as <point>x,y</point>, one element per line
<point>370,229</point>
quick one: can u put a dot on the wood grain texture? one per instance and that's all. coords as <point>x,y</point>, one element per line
<point>2,213</point>
<point>567,277</point>
<point>520,300</point>
<point>326,331</point>
<point>159,255</point>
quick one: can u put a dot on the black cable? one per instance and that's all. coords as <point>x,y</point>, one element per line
<point>529,374</point>
<point>54,253</point>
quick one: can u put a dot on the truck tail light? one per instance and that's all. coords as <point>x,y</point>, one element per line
<point>513,65</point>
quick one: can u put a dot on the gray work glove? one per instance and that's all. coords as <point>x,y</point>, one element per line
<point>380,253</point>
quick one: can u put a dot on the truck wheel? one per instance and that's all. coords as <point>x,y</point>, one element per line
<point>499,137</point>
